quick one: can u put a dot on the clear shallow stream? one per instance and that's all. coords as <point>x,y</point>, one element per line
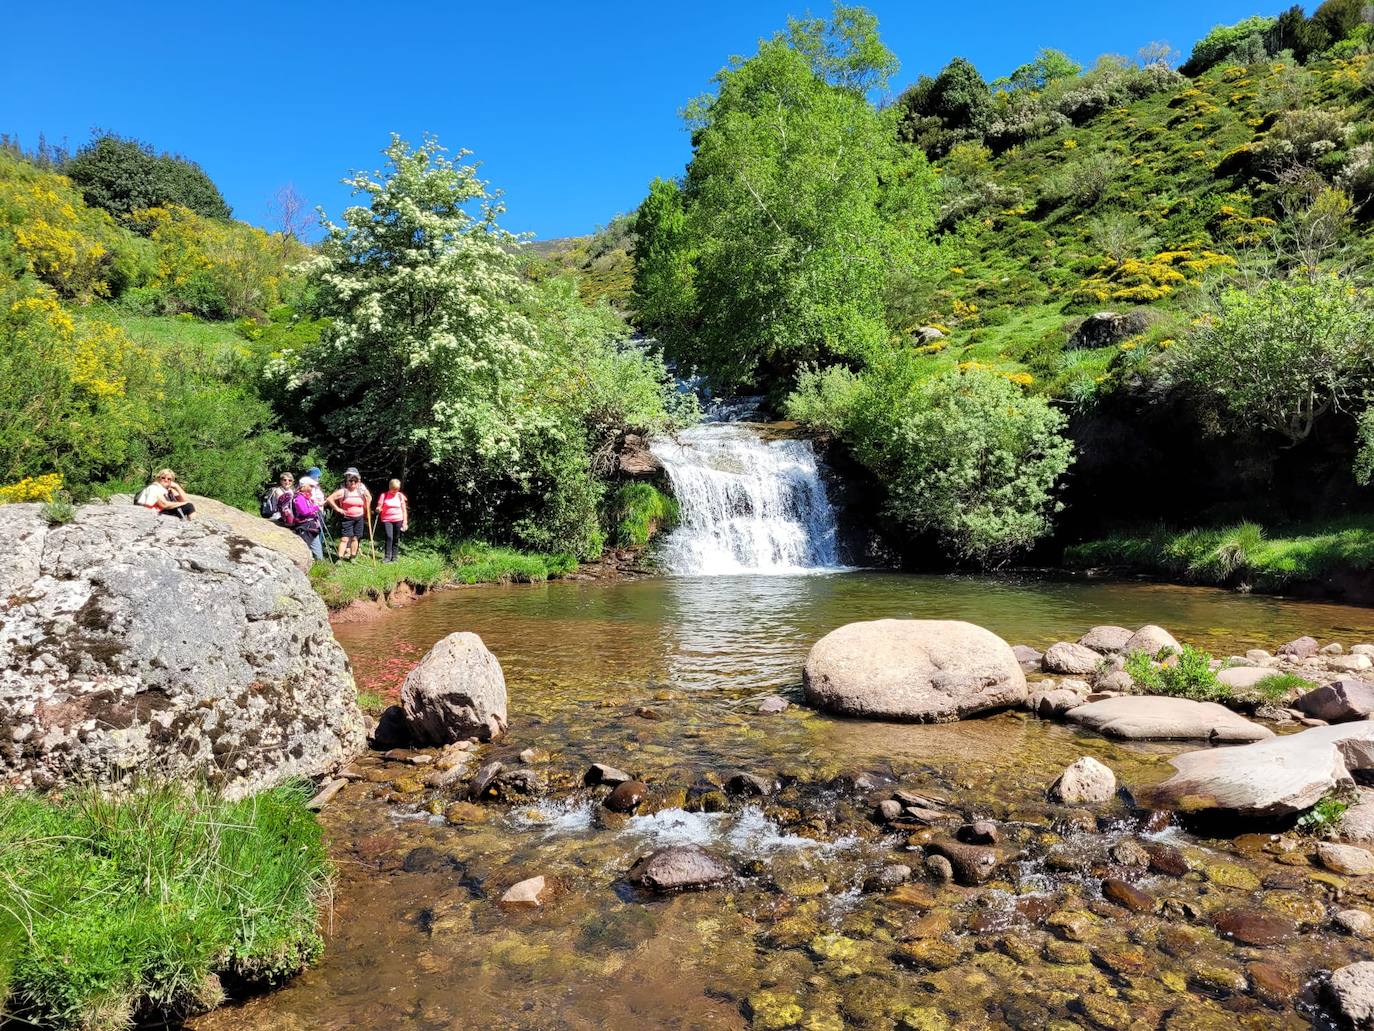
<point>418,939</point>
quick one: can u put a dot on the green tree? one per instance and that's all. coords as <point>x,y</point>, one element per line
<point>664,297</point>
<point>798,202</point>
<point>123,175</point>
<point>1049,66</point>
<point>1282,355</point>
<point>937,113</point>
<point>443,365</point>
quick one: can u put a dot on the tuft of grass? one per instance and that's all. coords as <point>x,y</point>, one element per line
<point>1281,686</point>
<point>59,511</point>
<point>120,907</point>
<point>1245,552</point>
<point>637,511</point>
<point>371,702</point>
<point>1190,677</point>
<point>1324,815</point>
<point>340,583</point>
<point>475,562</point>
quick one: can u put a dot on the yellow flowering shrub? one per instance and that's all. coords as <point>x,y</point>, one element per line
<point>63,243</point>
<point>1143,280</point>
<point>31,488</point>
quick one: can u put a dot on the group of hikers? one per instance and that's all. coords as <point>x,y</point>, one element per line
<point>302,507</point>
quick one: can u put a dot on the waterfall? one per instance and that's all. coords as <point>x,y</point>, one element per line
<point>748,504</point>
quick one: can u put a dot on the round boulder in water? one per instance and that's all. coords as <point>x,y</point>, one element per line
<point>923,670</point>
<point>457,691</point>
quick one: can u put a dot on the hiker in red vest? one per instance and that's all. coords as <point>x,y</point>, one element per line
<point>354,505</point>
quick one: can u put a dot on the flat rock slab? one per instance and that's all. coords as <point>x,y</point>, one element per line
<point>1156,718</point>
<point>1278,777</point>
<point>922,670</point>
<point>679,868</point>
<point>1243,678</point>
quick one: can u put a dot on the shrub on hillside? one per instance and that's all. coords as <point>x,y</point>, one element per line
<point>124,175</point>
<point>1237,43</point>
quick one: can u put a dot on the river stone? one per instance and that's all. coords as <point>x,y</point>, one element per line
<point>457,691</point>
<point>1118,681</point>
<point>1357,822</point>
<point>1278,777</point>
<point>1362,649</point>
<point>679,868</point>
<point>1339,702</point>
<point>1157,718</point>
<point>1350,860</point>
<point>1106,639</point>
<point>1349,663</point>
<point>774,704</point>
<point>973,864</point>
<point>1243,678</point>
<point>1085,781</point>
<point>1352,989</point>
<point>1334,648</point>
<point>1254,926</point>
<point>1028,657</point>
<point>1063,657</point>
<point>925,670</point>
<point>483,779</point>
<point>627,796</point>
<point>600,773</point>
<point>1151,639</point>
<point>1128,896</point>
<point>530,893</point>
<point>1055,703</point>
<point>132,643</point>
<point>1358,923</point>
<point>1299,648</point>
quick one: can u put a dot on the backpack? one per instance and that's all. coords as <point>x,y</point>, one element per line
<point>302,511</point>
<point>267,507</point>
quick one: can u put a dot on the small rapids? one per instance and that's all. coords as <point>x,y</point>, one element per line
<point>748,504</point>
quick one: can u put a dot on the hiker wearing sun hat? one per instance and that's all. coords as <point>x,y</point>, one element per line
<point>354,505</point>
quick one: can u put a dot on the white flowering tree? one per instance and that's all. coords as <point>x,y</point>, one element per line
<point>442,363</point>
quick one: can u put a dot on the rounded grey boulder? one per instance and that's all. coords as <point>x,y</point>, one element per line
<point>457,691</point>
<point>135,643</point>
<point>923,670</point>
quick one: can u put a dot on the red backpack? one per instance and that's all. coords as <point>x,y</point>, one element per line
<point>299,509</point>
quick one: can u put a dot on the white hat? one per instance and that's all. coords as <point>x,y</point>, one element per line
<point>307,481</point>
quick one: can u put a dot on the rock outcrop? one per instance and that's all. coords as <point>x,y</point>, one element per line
<point>1108,327</point>
<point>135,643</point>
<point>1341,702</point>
<point>1156,718</point>
<point>457,691</point>
<point>1278,777</point>
<point>924,670</point>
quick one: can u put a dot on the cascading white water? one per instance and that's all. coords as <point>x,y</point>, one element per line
<point>748,504</point>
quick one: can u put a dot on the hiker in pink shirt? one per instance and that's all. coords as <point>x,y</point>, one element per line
<point>393,512</point>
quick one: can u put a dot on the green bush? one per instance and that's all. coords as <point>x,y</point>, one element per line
<point>124,175</point>
<point>1190,677</point>
<point>637,510</point>
<point>128,905</point>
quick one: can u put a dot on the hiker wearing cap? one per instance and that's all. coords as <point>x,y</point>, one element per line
<point>354,505</point>
<point>307,518</point>
<point>393,512</point>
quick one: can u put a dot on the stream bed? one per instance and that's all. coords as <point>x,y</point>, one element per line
<point>662,678</point>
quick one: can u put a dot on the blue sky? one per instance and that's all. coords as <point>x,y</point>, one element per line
<point>571,108</point>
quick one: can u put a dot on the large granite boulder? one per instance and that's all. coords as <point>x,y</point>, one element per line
<point>1106,639</point>
<point>261,531</point>
<point>1065,657</point>
<point>1151,640</point>
<point>1273,778</point>
<point>1108,327</point>
<point>1158,718</point>
<point>925,670</point>
<point>1351,988</point>
<point>457,691</point>
<point>135,643</point>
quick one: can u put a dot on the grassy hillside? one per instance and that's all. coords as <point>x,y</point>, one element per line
<point>601,261</point>
<point>1139,207</point>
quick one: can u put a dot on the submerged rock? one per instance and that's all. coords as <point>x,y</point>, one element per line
<point>1340,702</point>
<point>530,893</point>
<point>1350,860</point>
<point>600,773</point>
<point>972,864</point>
<point>679,868</point>
<point>1028,657</point>
<point>457,691</point>
<point>925,670</point>
<point>627,796</point>
<point>1084,781</point>
<point>1128,896</point>
<point>774,704</point>
<point>133,643</point>
<point>1254,926</point>
<point>1155,718</point>
<point>1278,777</point>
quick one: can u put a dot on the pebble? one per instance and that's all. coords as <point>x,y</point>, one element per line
<point>600,773</point>
<point>940,868</point>
<point>774,704</point>
<point>1356,922</point>
<point>532,893</point>
<point>1128,896</point>
<point>482,779</point>
<point>1129,852</point>
<point>979,832</point>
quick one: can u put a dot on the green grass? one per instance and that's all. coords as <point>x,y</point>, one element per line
<point>173,332</point>
<point>429,565</point>
<point>117,908</point>
<point>1281,686</point>
<point>637,511</point>
<point>1240,554</point>
<point>1324,815</point>
<point>1190,677</point>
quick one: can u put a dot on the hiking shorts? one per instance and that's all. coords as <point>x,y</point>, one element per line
<point>355,527</point>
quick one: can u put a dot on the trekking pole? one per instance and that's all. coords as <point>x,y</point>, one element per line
<point>371,546</point>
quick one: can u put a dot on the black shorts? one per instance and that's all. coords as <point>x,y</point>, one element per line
<point>355,527</point>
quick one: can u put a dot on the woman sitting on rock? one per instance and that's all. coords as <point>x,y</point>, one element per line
<point>165,496</point>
